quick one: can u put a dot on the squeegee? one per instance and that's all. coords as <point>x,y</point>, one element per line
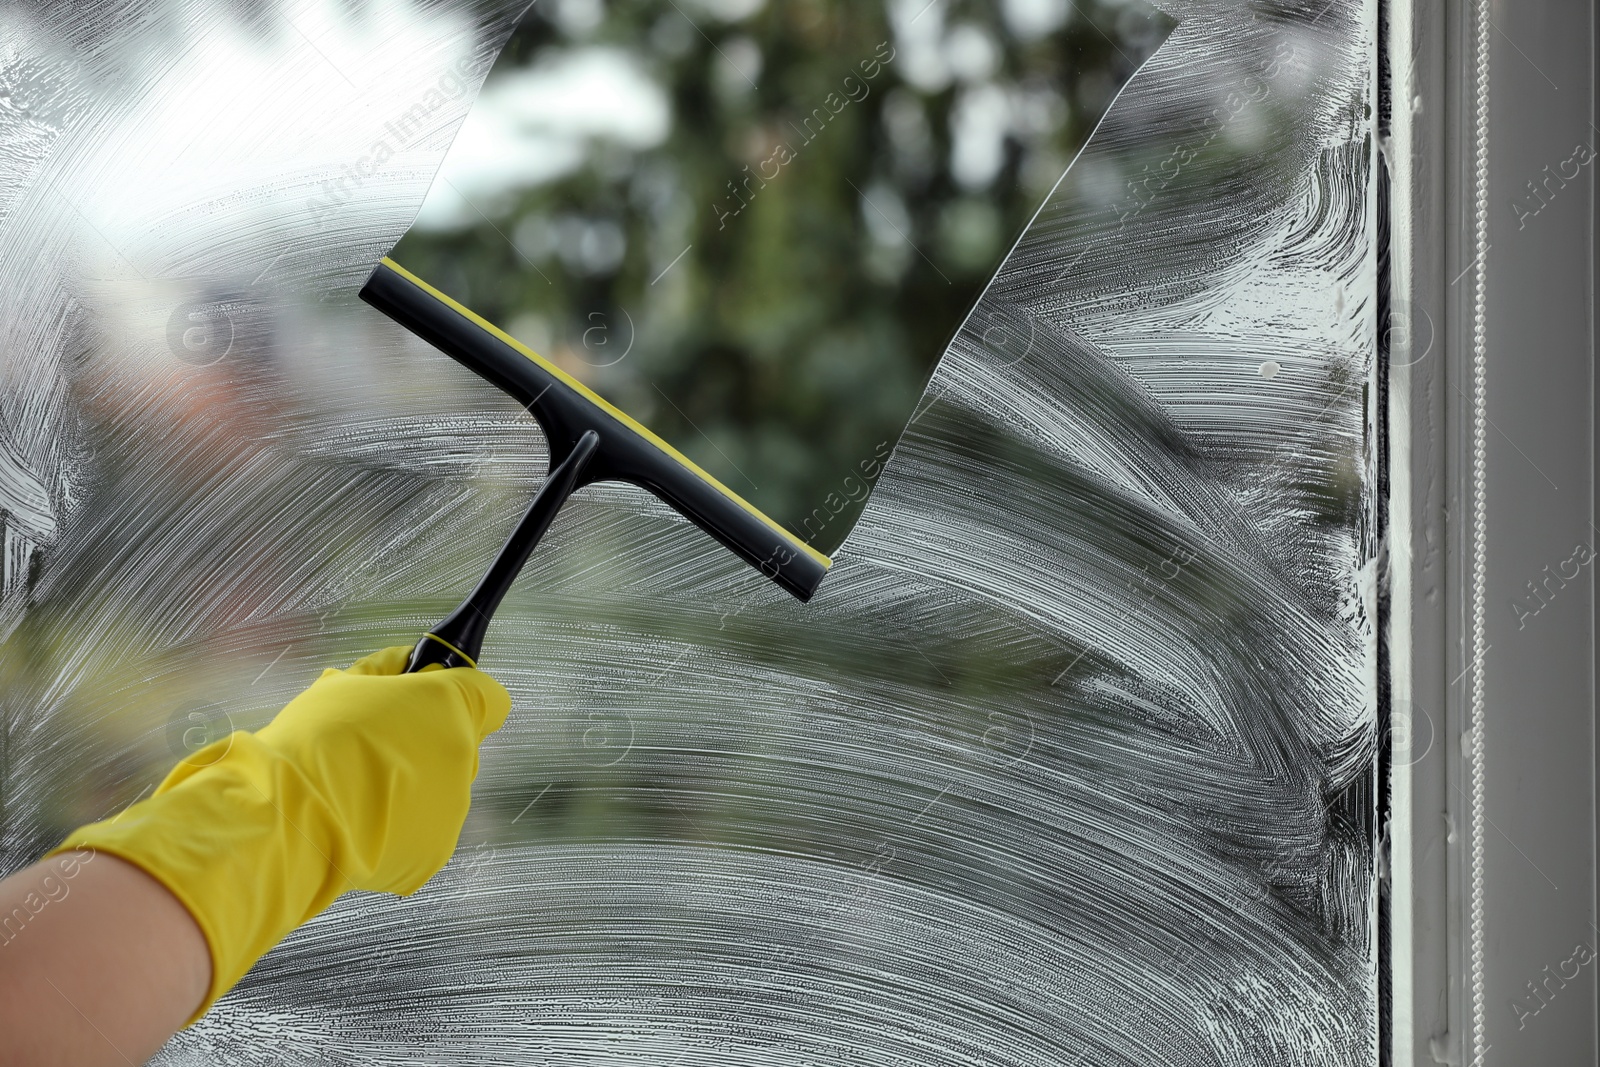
<point>589,441</point>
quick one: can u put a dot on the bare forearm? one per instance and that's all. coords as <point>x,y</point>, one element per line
<point>99,964</point>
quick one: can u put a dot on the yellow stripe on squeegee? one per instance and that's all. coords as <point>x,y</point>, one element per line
<point>435,637</point>
<point>611,409</point>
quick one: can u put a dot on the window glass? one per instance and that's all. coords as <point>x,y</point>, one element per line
<point>754,226</point>
<point>1071,759</point>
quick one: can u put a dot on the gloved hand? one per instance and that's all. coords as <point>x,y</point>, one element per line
<point>360,782</point>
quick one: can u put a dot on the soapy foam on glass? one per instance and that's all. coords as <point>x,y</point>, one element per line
<point>1071,760</point>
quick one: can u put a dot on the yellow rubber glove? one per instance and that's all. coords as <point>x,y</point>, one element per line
<point>360,782</point>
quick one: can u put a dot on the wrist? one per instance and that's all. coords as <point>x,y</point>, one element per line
<point>234,834</point>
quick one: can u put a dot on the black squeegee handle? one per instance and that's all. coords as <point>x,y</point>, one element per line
<point>457,640</point>
<point>627,452</point>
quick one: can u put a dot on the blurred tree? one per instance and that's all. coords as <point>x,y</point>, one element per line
<point>836,184</point>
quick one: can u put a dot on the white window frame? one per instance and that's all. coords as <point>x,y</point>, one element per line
<point>1491,845</point>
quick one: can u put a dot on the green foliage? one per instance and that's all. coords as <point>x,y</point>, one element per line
<point>831,234</point>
